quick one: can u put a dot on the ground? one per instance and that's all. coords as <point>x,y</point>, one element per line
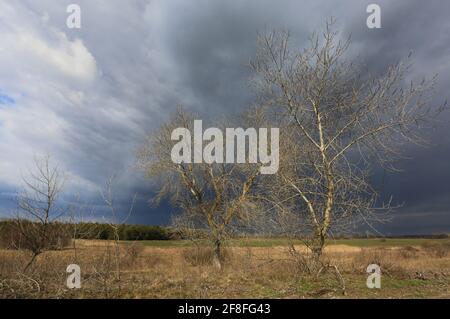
<point>253,268</point>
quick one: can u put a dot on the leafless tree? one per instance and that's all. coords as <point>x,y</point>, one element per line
<point>38,215</point>
<point>336,120</point>
<point>115,221</point>
<point>213,198</point>
<point>77,213</point>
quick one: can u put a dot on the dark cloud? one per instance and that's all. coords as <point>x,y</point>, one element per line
<point>140,59</point>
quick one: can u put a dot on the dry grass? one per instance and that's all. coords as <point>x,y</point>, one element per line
<point>249,272</point>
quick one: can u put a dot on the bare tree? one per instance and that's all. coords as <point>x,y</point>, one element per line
<point>77,213</point>
<point>336,120</point>
<point>38,216</point>
<point>115,222</point>
<point>213,198</point>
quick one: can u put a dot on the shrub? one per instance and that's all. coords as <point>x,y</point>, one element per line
<point>203,255</point>
<point>437,249</point>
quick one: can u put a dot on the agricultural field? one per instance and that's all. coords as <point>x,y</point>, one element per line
<point>253,268</point>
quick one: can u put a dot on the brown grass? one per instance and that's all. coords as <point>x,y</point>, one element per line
<point>249,272</point>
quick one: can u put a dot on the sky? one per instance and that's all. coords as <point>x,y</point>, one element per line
<point>89,96</point>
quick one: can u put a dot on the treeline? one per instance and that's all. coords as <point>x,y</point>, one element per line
<point>13,234</point>
<point>24,234</point>
<point>125,232</point>
<point>60,234</point>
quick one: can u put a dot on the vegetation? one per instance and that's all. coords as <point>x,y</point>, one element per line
<point>284,242</point>
<point>12,238</point>
<point>212,197</point>
<point>126,232</point>
<point>61,233</point>
<point>263,270</point>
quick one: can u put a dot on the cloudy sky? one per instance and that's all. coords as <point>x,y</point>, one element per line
<point>88,96</point>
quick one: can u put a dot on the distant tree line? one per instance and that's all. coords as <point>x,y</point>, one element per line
<point>33,236</point>
<point>59,235</point>
<point>126,232</point>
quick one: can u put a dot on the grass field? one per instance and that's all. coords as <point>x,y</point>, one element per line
<point>253,268</point>
<point>270,242</point>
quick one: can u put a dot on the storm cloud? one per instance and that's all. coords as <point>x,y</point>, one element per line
<point>89,96</point>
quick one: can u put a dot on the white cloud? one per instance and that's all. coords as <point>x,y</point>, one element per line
<point>70,58</point>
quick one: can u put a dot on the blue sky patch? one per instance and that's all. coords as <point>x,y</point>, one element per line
<point>6,100</point>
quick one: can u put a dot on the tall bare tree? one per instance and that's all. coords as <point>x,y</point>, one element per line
<point>212,198</point>
<point>38,215</point>
<point>335,121</point>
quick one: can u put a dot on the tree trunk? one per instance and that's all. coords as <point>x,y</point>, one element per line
<point>31,261</point>
<point>317,249</point>
<point>217,256</point>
